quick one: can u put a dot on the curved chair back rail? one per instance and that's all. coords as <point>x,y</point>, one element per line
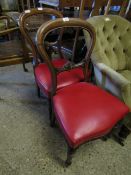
<point>29,14</point>
<point>60,23</point>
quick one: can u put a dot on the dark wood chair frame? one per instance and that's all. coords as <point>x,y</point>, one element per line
<point>36,56</point>
<point>67,3</point>
<point>24,16</point>
<point>123,5</point>
<point>60,23</point>
<point>26,4</point>
<point>101,4</point>
<point>41,35</point>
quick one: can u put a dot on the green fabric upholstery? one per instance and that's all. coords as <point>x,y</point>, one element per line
<point>112,43</point>
<point>126,74</point>
<point>2,25</point>
<point>112,55</point>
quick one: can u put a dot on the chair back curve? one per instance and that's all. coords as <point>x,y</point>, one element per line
<point>29,22</point>
<point>112,41</point>
<point>60,23</point>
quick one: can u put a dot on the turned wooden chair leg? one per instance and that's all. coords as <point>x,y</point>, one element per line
<point>51,114</point>
<point>124,132</point>
<point>38,90</point>
<point>115,133</point>
<point>25,69</point>
<point>70,153</point>
<point>105,138</point>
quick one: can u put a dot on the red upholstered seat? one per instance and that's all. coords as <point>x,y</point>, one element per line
<point>85,112</point>
<point>43,76</point>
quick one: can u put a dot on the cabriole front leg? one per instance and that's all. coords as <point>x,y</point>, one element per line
<point>70,152</point>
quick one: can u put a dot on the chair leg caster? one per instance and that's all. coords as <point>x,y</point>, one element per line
<point>51,115</point>
<point>52,119</point>
<point>52,122</point>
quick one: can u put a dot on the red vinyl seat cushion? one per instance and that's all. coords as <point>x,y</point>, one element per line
<point>43,76</point>
<point>84,112</point>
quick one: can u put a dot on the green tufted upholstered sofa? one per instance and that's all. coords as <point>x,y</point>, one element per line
<point>112,56</point>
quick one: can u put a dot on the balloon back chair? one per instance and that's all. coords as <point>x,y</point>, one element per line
<point>83,111</point>
<point>30,21</point>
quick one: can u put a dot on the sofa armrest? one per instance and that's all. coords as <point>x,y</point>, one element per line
<point>114,76</point>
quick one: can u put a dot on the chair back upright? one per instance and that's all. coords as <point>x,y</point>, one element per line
<point>103,7</point>
<point>123,6</point>
<point>85,4</point>
<point>98,7</point>
<point>50,26</point>
<point>26,4</point>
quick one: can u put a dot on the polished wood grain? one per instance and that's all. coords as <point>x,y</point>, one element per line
<point>29,23</point>
<point>44,30</point>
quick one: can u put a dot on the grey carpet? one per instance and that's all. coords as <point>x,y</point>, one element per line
<point>28,146</point>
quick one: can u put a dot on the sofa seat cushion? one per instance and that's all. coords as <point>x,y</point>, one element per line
<point>86,112</point>
<point>43,76</point>
<point>126,74</point>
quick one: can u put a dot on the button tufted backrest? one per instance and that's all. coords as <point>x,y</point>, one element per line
<point>113,41</point>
